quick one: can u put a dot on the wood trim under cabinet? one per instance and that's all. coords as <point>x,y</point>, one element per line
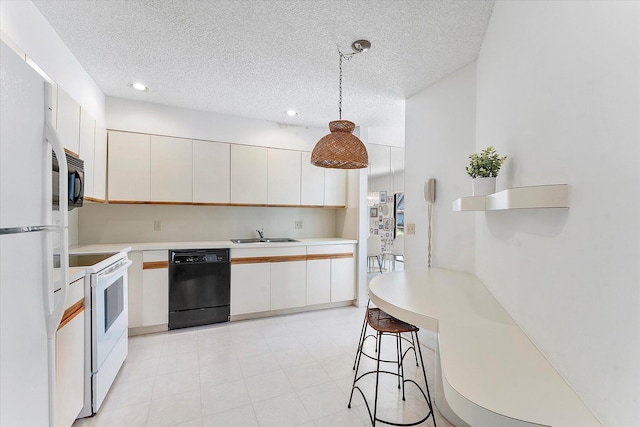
<point>76,155</point>
<point>71,312</point>
<point>150,265</point>
<point>93,199</point>
<point>288,258</point>
<point>149,202</point>
<point>312,257</point>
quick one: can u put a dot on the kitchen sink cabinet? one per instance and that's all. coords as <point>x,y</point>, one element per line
<point>249,175</point>
<point>283,177</point>
<point>335,187</point>
<point>211,172</point>
<point>288,284</point>
<point>68,121</point>
<point>171,165</point>
<point>87,151</point>
<point>312,182</point>
<point>318,281</point>
<point>100,165</point>
<point>129,167</point>
<point>155,288</point>
<point>250,288</point>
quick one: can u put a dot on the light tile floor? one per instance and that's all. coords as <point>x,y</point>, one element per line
<point>293,370</point>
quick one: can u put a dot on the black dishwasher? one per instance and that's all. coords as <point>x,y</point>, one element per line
<point>199,287</point>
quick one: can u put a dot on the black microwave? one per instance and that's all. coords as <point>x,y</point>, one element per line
<point>75,190</point>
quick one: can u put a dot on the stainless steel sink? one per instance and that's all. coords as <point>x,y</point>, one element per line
<point>265,240</point>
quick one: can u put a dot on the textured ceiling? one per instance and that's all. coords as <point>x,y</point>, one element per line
<point>257,58</point>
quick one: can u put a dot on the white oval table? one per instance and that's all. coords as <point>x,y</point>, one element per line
<point>488,372</point>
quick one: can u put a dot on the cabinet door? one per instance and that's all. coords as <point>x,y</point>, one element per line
<point>335,187</point>
<point>155,288</point>
<point>129,167</point>
<point>211,172</point>
<point>343,279</point>
<point>100,164</point>
<point>312,191</point>
<point>248,175</point>
<point>283,177</point>
<point>70,370</point>
<point>87,150</point>
<point>288,284</point>
<point>318,281</point>
<point>171,169</point>
<point>68,121</point>
<point>250,288</point>
<point>135,289</point>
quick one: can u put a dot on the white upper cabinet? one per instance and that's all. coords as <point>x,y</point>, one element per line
<point>283,177</point>
<point>312,182</point>
<point>68,121</point>
<point>100,164</point>
<point>129,166</point>
<point>171,166</point>
<point>87,150</point>
<point>249,175</point>
<point>335,187</point>
<point>211,172</point>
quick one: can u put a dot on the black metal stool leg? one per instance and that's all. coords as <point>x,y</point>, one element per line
<point>375,402</point>
<point>426,384</point>
<point>361,341</point>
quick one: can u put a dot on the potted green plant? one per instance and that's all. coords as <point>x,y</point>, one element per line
<point>484,168</point>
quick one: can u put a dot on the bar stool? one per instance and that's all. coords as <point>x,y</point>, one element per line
<point>385,324</point>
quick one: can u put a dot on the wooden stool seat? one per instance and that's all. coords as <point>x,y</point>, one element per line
<point>385,323</point>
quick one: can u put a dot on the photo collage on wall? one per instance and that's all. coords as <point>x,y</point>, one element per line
<point>381,221</point>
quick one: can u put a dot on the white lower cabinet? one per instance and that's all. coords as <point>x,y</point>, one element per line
<point>70,358</point>
<point>318,281</point>
<point>273,279</point>
<point>288,284</point>
<point>343,273</point>
<point>250,288</point>
<point>155,288</point>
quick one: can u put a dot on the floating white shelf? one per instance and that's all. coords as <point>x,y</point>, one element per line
<point>534,197</point>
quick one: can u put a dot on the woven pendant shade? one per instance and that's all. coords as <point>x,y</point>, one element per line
<point>341,149</point>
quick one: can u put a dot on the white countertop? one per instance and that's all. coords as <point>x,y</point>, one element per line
<point>490,368</point>
<point>206,244</point>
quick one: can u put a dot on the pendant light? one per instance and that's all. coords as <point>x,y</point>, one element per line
<point>341,149</point>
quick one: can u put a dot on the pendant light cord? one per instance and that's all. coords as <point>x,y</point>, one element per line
<point>346,56</point>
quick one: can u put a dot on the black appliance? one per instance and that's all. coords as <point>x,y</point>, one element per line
<point>75,190</point>
<point>199,287</point>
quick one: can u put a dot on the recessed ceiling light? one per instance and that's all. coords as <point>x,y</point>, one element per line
<point>139,86</point>
<point>291,113</point>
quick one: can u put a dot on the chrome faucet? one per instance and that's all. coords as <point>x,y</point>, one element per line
<point>260,232</point>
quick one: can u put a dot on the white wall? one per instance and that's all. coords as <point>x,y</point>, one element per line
<point>440,131</point>
<point>134,223</point>
<point>559,92</point>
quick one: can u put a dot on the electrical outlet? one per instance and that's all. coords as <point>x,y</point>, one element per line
<point>298,225</point>
<point>411,228</point>
<point>156,225</point>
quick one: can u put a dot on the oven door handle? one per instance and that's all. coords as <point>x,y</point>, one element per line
<point>115,273</point>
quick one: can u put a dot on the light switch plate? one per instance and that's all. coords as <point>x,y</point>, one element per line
<point>298,225</point>
<point>156,225</point>
<point>411,228</point>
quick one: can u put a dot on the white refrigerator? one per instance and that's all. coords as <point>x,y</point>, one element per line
<point>29,236</point>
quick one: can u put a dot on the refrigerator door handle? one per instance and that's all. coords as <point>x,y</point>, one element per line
<point>56,310</point>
